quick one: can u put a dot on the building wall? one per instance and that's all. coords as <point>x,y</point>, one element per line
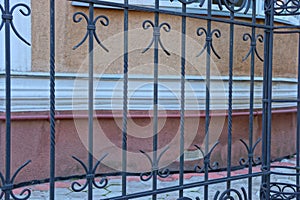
<point>32,126</point>
<point>68,34</point>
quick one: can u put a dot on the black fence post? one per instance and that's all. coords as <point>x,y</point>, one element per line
<point>52,100</point>
<point>267,99</point>
<point>8,24</point>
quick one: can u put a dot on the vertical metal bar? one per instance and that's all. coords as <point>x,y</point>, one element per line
<point>52,100</point>
<point>269,113</point>
<point>265,111</point>
<point>251,117</point>
<point>125,101</point>
<point>267,99</point>
<point>8,100</point>
<point>207,95</point>
<point>264,121</point>
<point>298,123</point>
<point>90,102</point>
<point>270,77</point>
<point>230,83</point>
<point>182,108</point>
<point>155,99</point>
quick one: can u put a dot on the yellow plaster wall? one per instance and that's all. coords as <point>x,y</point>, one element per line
<point>68,34</point>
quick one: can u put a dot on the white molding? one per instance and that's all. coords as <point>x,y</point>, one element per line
<point>30,92</point>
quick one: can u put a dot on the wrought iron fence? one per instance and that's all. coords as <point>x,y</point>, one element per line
<point>269,189</point>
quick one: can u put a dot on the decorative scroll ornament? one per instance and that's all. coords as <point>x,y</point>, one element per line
<point>209,40</point>
<point>284,191</point>
<point>235,5</point>
<point>163,173</point>
<point>253,45</point>
<point>251,159</point>
<point>207,163</point>
<point>91,26</point>
<point>77,187</point>
<point>283,7</point>
<point>8,16</point>
<point>156,34</point>
<point>232,194</point>
<point>25,194</point>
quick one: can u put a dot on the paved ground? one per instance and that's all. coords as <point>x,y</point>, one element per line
<point>113,189</point>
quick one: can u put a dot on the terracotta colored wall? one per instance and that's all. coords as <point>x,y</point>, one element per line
<point>69,34</point>
<point>30,139</point>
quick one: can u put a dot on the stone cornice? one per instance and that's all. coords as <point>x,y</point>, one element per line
<point>30,92</point>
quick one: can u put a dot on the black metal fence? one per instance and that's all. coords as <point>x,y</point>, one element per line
<point>272,8</point>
